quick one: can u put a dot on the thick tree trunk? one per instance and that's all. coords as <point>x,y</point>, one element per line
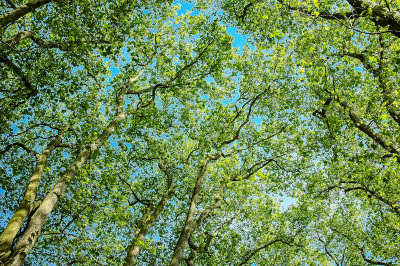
<point>140,234</point>
<point>381,15</point>
<point>33,229</point>
<point>25,206</point>
<point>21,11</point>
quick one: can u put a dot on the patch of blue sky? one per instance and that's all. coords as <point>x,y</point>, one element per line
<point>185,7</point>
<point>15,129</point>
<point>257,119</point>
<point>205,97</point>
<point>114,71</point>
<point>239,40</point>
<point>359,69</point>
<point>285,201</point>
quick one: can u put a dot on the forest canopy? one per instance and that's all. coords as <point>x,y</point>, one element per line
<point>199,133</point>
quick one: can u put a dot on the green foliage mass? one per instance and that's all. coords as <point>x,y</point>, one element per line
<point>131,132</point>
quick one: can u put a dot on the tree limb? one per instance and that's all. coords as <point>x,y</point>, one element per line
<point>21,11</point>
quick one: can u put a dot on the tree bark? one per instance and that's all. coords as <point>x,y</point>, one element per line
<point>381,15</point>
<point>198,249</point>
<point>143,228</point>
<point>25,206</point>
<point>33,229</point>
<point>375,136</point>
<point>21,11</point>
<point>189,223</point>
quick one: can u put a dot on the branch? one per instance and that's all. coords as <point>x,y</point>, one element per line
<point>244,13</point>
<point>197,249</point>
<point>363,60</point>
<point>217,203</point>
<point>167,173</point>
<point>137,199</point>
<point>375,136</point>
<point>256,250</point>
<point>11,4</point>
<point>152,88</point>
<point>378,74</point>
<point>368,191</point>
<point>255,143</point>
<point>15,39</point>
<point>31,127</point>
<point>327,251</point>
<point>322,115</point>
<point>191,153</point>
<point>36,154</point>
<point>69,146</point>
<point>21,11</point>
<point>253,101</point>
<point>252,170</point>
<point>76,216</point>
<point>381,15</point>
<point>177,75</point>
<point>361,249</point>
<point>18,71</point>
<point>323,14</point>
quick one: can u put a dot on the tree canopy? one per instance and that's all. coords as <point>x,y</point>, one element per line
<point>136,132</point>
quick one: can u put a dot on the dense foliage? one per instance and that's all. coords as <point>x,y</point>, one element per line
<point>135,132</point>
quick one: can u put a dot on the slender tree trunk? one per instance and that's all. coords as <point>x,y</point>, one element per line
<point>189,224</point>
<point>192,256</point>
<point>198,249</point>
<point>375,136</point>
<point>21,11</point>
<point>140,234</point>
<point>143,228</point>
<point>25,206</point>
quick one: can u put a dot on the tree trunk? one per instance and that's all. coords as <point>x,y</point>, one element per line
<point>189,224</point>
<point>143,228</point>
<point>25,206</point>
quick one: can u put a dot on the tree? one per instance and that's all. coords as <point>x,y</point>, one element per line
<point>83,132</point>
<point>346,54</point>
<point>90,128</point>
<point>132,133</point>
